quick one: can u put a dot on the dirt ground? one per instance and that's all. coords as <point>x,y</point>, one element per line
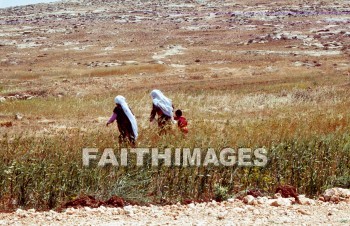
<point>86,49</point>
<point>232,212</point>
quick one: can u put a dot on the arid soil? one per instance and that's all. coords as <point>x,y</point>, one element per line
<point>232,212</point>
<point>332,208</point>
<point>82,48</point>
<point>69,48</point>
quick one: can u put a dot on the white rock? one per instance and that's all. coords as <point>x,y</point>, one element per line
<point>277,195</point>
<point>231,200</point>
<point>238,209</point>
<point>70,211</point>
<point>249,199</point>
<point>31,211</point>
<point>280,202</point>
<point>262,200</point>
<point>116,211</point>
<point>200,223</point>
<point>306,201</point>
<point>304,212</point>
<point>21,213</point>
<point>256,212</point>
<point>58,218</point>
<point>336,193</point>
<point>87,209</point>
<point>222,215</point>
<point>285,220</point>
<point>261,221</point>
<point>46,121</point>
<point>335,198</point>
<point>2,99</point>
<point>250,208</point>
<point>129,210</point>
<point>191,205</point>
<point>102,209</point>
<point>18,116</point>
<point>18,211</point>
<point>212,204</point>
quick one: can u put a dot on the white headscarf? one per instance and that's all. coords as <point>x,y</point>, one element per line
<point>122,102</point>
<point>162,102</point>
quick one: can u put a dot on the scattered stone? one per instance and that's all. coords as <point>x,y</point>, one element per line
<point>87,209</point>
<point>231,200</point>
<point>18,116</point>
<point>262,200</point>
<point>336,194</point>
<point>20,96</point>
<point>307,64</point>
<point>52,212</point>
<point>46,121</point>
<point>285,219</point>
<point>222,215</point>
<point>277,196</point>
<point>70,211</point>
<point>249,199</point>
<point>281,202</point>
<point>304,212</point>
<point>49,218</point>
<point>191,205</point>
<point>256,212</point>
<point>306,201</point>
<point>32,211</point>
<point>21,213</point>
<point>238,210</point>
<point>2,99</point>
<point>129,210</point>
<point>213,203</point>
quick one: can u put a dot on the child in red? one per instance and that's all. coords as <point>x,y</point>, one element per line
<point>181,121</point>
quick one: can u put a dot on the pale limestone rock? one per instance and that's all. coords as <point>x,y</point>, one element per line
<point>262,200</point>
<point>306,201</point>
<point>249,199</point>
<point>336,194</point>
<point>281,202</point>
<point>129,210</point>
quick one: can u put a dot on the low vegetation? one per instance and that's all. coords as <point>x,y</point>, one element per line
<point>306,133</point>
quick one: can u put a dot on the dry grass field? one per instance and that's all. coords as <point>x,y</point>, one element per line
<point>258,74</point>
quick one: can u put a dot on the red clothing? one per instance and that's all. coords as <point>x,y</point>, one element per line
<point>182,123</point>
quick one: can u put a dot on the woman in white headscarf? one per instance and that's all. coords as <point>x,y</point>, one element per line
<point>163,107</point>
<point>126,121</point>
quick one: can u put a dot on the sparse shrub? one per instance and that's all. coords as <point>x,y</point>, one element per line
<point>220,192</point>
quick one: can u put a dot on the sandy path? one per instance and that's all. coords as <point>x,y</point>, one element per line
<point>233,212</point>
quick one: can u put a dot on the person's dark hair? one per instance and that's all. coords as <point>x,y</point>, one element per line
<point>178,113</point>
